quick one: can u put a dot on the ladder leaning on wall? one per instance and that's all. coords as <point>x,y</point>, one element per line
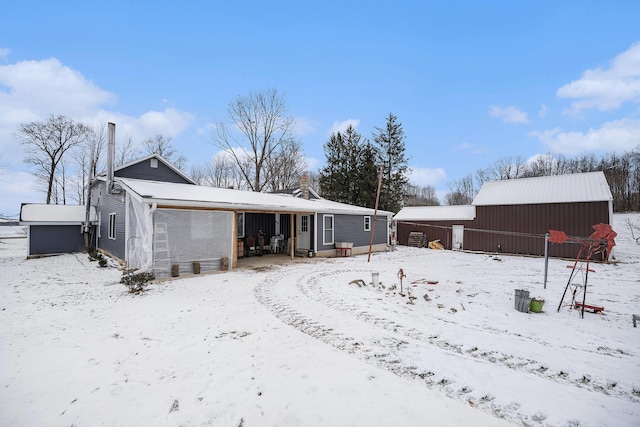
<point>161,256</point>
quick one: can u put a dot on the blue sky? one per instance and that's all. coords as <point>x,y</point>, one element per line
<point>471,81</point>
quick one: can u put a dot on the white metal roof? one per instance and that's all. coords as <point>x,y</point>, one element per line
<point>436,213</point>
<point>579,187</point>
<point>173,194</point>
<point>33,212</point>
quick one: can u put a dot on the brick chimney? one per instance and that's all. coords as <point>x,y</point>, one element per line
<point>304,186</point>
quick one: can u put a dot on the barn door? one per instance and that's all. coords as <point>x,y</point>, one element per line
<point>458,236</point>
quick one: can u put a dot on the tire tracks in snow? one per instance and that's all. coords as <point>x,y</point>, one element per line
<point>312,309</point>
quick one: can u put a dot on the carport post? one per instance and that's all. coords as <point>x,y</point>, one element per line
<point>292,233</point>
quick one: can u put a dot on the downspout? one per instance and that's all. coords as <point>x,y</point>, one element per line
<point>152,209</point>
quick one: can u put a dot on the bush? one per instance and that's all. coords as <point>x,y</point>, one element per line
<point>94,255</point>
<point>136,282</point>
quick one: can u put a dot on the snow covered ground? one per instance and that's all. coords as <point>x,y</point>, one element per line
<point>298,345</point>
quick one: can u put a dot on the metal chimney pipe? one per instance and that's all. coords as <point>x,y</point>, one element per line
<point>111,155</point>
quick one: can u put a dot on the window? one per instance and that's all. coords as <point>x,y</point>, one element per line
<point>154,163</point>
<point>304,224</point>
<point>112,225</point>
<point>240,224</point>
<point>327,230</point>
<point>367,223</point>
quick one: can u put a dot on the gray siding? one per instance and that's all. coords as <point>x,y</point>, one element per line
<point>350,228</point>
<point>106,205</point>
<point>55,239</point>
<point>143,170</point>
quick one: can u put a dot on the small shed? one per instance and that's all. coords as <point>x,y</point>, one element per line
<point>513,216</point>
<point>54,229</point>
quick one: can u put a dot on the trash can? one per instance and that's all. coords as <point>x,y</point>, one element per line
<point>522,300</point>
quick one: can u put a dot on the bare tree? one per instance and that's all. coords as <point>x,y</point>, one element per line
<point>547,165</point>
<point>47,142</point>
<point>286,166</point>
<point>462,192</point>
<point>126,152</point>
<point>220,172</point>
<point>79,183</point>
<point>506,168</point>
<point>161,146</point>
<point>421,196</point>
<point>259,130</point>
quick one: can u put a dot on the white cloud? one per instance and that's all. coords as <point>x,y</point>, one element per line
<point>543,111</point>
<point>4,52</point>
<point>37,89</point>
<point>426,176</point>
<point>303,126</point>
<point>41,88</point>
<point>312,163</point>
<point>469,148</point>
<point>509,114</point>
<point>18,187</point>
<point>617,135</point>
<point>342,126</point>
<point>606,89</point>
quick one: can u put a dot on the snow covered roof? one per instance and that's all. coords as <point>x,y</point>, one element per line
<point>173,194</point>
<point>42,213</point>
<point>580,187</point>
<point>436,213</point>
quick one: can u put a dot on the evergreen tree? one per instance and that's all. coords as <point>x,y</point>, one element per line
<point>367,174</point>
<point>350,174</point>
<point>390,143</point>
<point>351,171</point>
<point>331,175</point>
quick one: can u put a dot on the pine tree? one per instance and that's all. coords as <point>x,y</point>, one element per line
<point>331,175</point>
<point>350,174</point>
<point>368,172</point>
<point>390,143</point>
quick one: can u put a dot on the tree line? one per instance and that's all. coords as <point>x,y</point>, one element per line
<point>622,172</point>
<point>260,152</point>
<point>60,150</point>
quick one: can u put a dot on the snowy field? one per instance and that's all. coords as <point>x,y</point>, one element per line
<point>298,345</point>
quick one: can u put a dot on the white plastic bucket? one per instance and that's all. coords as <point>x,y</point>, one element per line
<point>375,278</point>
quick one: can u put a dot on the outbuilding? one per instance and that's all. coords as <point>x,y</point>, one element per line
<point>513,216</point>
<point>54,229</point>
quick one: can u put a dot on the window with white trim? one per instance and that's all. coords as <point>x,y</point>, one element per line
<point>367,223</point>
<point>112,226</point>
<point>304,224</point>
<point>327,230</point>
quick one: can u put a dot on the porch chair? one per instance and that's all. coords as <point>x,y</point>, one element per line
<point>250,245</point>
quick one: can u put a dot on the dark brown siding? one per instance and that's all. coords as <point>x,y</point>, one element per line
<point>518,229</point>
